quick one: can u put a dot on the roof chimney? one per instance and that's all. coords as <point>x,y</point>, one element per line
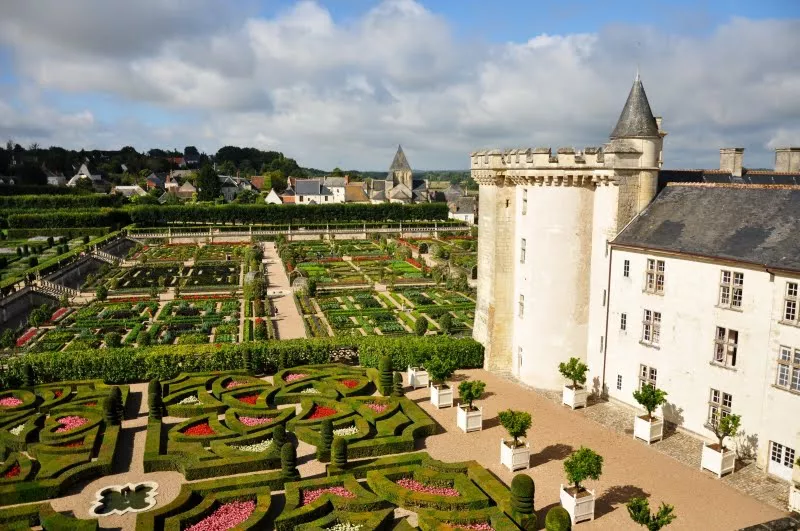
<point>787,159</point>
<point>730,160</point>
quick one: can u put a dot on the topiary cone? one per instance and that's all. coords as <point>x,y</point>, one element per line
<point>523,490</point>
<point>386,377</point>
<point>398,390</point>
<point>326,438</point>
<point>279,436</point>
<point>110,413</point>
<point>289,462</point>
<point>154,387</point>
<point>339,452</point>
<point>248,362</point>
<point>116,397</point>
<point>27,375</point>
<point>156,406</point>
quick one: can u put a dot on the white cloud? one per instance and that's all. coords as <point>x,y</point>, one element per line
<point>345,93</point>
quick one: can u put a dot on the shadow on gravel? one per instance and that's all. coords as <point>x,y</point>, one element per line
<point>611,499</point>
<point>554,452</point>
<point>124,455</point>
<point>133,405</point>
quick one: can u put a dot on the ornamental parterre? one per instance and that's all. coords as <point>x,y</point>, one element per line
<point>71,422</point>
<point>310,495</point>
<point>10,401</point>
<point>255,421</point>
<point>416,486</point>
<point>228,516</point>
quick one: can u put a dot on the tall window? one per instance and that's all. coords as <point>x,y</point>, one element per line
<point>524,201</point>
<point>521,305</point>
<point>522,251</point>
<point>725,346</point>
<point>790,303</point>
<point>654,277</point>
<point>730,289</point>
<point>719,406</point>
<point>788,375</point>
<point>619,382</point>
<point>651,327</point>
<point>626,268</point>
<point>623,321</point>
<point>647,376</point>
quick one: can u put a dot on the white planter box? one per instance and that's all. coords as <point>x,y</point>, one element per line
<point>794,498</point>
<point>648,431</point>
<point>417,377</point>
<point>575,397</point>
<point>717,462</point>
<point>441,396</point>
<point>579,509</point>
<point>515,458</point>
<point>469,420</point>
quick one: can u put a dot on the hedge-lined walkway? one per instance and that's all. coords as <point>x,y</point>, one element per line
<point>288,322</point>
<point>630,468</point>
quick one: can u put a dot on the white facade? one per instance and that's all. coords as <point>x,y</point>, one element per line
<point>273,198</point>
<point>467,217</point>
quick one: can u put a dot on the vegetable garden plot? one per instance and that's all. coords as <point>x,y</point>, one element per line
<point>145,277</point>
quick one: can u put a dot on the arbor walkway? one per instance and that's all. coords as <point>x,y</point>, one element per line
<point>288,322</point>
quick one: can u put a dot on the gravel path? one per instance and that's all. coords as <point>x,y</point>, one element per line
<point>288,322</point>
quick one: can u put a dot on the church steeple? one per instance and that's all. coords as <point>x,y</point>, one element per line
<point>400,163</point>
<point>636,119</point>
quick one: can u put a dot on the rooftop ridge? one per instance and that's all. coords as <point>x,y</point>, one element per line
<point>743,186</point>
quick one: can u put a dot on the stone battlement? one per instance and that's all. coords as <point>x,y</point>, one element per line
<point>539,158</point>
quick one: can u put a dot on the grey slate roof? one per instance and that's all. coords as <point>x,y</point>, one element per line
<point>746,223</point>
<point>636,119</point>
<point>400,163</point>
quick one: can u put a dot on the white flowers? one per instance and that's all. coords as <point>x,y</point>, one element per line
<point>16,431</point>
<point>346,526</point>
<point>191,399</point>
<point>344,432</point>
<point>310,391</point>
<point>257,447</point>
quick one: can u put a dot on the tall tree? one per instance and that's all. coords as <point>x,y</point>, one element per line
<point>208,186</point>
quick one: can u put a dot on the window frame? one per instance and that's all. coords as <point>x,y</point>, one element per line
<point>619,382</point>
<point>521,308</point>
<point>790,300</point>
<point>523,244</point>
<point>647,376</point>
<point>524,201</point>
<point>626,268</point>
<point>654,276</point>
<point>651,327</point>
<point>731,289</point>
<point>789,361</point>
<point>623,322</point>
<point>726,348</point>
<point>717,408</point>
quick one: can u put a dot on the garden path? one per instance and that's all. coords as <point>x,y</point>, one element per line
<point>288,322</point>
<point>630,468</point>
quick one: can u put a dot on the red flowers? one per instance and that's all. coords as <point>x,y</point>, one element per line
<point>309,496</point>
<point>73,444</point>
<point>199,430</point>
<point>416,486</point>
<point>90,404</point>
<point>228,516</point>
<point>205,297</point>
<point>59,314</point>
<point>57,393</point>
<point>27,336</point>
<point>247,399</point>
<point>12,472</point>
<point>414,263</point>
<point>320,412</point>
<point>129,299</point>
<point>70,423</point>
<point>351,384</point>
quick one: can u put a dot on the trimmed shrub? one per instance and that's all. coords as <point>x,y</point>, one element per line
<point>101,293</point>
<point>516,423</point>
<point>386,377</point>
<point>289,462</point>
<point>156,406</point>
<point>583,464</point>
<point>154,388</point>
<point>398,390</point>
<point>110,412</point>
<point>530,523</point>
<point>279,436</point>
<point>326,438</point>
<point>28,377</point>
<point>557,519</point>
<point>339,452</point>
<point>115,395</point>
<point>143,339</point>
<point>247,361</point>
<point>113,340</point>
<point>522,494</point>
<point>421,326</point>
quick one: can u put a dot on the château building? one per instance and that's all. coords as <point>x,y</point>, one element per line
<point>686,279</point>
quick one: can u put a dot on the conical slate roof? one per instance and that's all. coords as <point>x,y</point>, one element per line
<point>400,163</point>
<point>636,120</point>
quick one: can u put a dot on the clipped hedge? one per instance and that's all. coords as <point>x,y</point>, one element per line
<point>131,364</point>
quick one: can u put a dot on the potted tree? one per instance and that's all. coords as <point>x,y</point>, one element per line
<point>440,369</point>
<point>648,427</point>
<point>716,457</point>
<point>417,376</point>
<point>575,395</point>
<point>515,454</point>
<point>639,511</point>
<point>578,501</point>
<point>468,417</point>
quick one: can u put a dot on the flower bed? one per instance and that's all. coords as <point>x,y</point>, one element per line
<point>344,432</point>
<point>344,526</point>
<point>309,391</point>
<point>189,400</point>
<point>73,444</point>
<point>205,297</point>
<point>58,393</point>
<point>70,423</point>
<point>320,412</point>
<point>17,430</point>
<point>27,336</point>
<point>12,472</point>
<point>234,383</point>
<point>416,486</point>
<point>248,399</point>
<point>350,384</point>
<point>311,495</point>
<point>255,421</point>
<point>129,299</point>
<point>482,526</point>
<point>257,447</point>
<point>293,377</point>
<point>377,407</point>
<point>199,430</point>
<point>229,515</point>
<point>60,313</point>
<point>10,401</point>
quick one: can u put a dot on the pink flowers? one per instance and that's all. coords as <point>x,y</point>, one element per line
<point>12,472</point>
<point>416,486</point>
<point>228,516</point>
<point>70,423</point>
<point>27,336</point>
<point>482,526</point>
<point>293,377</point>
<point>309,496</point>
<point>377,407</point>
<point>247,399</point>
<point>199,430</point>
<point>10,401</point>
<point>351,384</point>
<point>320,412</point>
<point>255,421</point>
<point>234,383</point>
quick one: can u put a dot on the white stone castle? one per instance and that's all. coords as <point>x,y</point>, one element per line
<point>683,279</point>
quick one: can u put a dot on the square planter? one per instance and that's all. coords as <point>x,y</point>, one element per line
<point>574,397</point>
<point>580,509</point>
<point>794,497</point>
<point>717,462</point>
<point>417,377</point>
<point>469,420</point>
<point>441,396</point>
<point>515,458</point>
<point>648,430</point>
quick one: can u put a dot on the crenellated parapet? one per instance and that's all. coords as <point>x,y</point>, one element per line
<point>538,166</point>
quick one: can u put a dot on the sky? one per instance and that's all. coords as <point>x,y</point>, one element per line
<point>343,82</point>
